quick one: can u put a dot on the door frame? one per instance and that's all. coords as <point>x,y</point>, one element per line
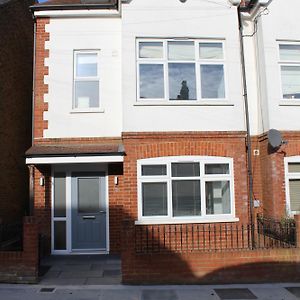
<point>68,170</point>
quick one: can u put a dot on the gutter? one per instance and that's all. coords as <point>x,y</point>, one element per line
<point>72,7</point>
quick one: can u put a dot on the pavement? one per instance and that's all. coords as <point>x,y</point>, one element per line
<point>286,291</point>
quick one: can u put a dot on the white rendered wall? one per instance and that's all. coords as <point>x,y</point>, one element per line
<point>194,19</point>
<point>281,23</point>
<point>67,35</point>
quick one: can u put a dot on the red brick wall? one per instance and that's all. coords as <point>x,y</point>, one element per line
<point>147,145</point>
<point>16,53</point>
<point>40,71</point>
<point>22,266</point>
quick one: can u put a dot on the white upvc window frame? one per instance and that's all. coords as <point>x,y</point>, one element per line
<point>203,178</point>
<point>86,78</point>
<point>290,176</point>
<point>197,61</point>
<point>288,63</point>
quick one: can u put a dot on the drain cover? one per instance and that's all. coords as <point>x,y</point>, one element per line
<point>47,290</point>
<point>294,290</point>
<point>159,294</point>
<point>231,294</point>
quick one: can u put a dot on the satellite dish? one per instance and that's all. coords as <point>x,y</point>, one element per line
<point>275,138</point>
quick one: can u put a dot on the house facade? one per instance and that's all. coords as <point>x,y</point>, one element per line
<point>140,115</point>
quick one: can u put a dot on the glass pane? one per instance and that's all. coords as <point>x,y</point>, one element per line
<point>88,195</point>
<point>185,169</point>
<point>152,81</point>
<point>182,81</point>
<point>86,64</point>
<point>59,195</point>
<point>60,235</point>
<point>217,197</point>
<point>181,51</point>
<point>216,169</point>
<point>289,52</point>
<point>212,81</point>
<point>290,76</point>
<point>154,170</point>
<point>186,198</point>
<point>294,167</point>
<point>154,199</point>
<point>150,50</point>
<point>211,50</point>
<point>86,94</point>
<point>295,194</point>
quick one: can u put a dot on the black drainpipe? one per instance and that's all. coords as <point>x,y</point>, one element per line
<point>248,138</point>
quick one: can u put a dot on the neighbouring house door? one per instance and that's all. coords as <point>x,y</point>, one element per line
<point>88,212</point>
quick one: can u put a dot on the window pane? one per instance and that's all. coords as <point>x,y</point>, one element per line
<point>185,169</point>
<point>216,169</point>
<point>59,195</point>
<point>182,81</point>
<point>86,94</point>
<point>211,50</point>
<point>86,64</point>
<point>88,195</point>
<point>60,235</point>
<point>154,170</point>
<point>295,194</point>
<point>181,50</point>
<point>212,81</point>
<point>154,199</point>
<point>152,81</point>
<point>186,198</point>
<point>289,52</point>
<point>294,167</point>
<point>290,76</point>
<point>217,197</point>
<point>150,50</point>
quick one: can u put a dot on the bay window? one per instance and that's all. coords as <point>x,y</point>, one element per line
<point>172,70</point>
<point>185,189</point>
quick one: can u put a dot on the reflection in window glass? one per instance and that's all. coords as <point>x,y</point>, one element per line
<point>151,50</point>
<point>212,81</point>
<point>295,194</point>
<point>289,52</point>
<point>154,197</point>
<point>217,197</point>
<point>185,169</point>
<point>181,51</point>
<point>211,50</point>
<point>154,170</point>
<point>216,169</point>
<point>186,198</point>
<point>86,94</point>
<point>290,77</point>
<point>151,81</point>
<point>86,64</point>
<point>182,81</point>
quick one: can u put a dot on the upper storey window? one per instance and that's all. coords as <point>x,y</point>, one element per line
<point>86,80</point>
<point>290,70</point>
<point>172,70</point>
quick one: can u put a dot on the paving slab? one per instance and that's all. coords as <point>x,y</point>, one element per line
<point>121,295</point>
<point>103,281</point>
<point>294,291</point>
<point>159,295</point>
<point>197,294</point>
<point>235,294</point>
<point>63,281</point>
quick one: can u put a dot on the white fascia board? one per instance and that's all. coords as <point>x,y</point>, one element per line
<point>73,159</point>
<point>78,13</point>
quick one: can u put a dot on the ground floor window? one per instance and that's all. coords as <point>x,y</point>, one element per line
<point>293,184</point>
<point>185,188</point>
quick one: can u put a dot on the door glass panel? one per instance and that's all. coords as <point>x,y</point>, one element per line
<point>186,198</point>
<point>59,195</point>
<point>217,197</point>
<point>60,235</point>
<point>88,195</point>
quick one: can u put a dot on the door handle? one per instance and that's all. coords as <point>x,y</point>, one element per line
<point>89,217</point>
<point>102,212</point>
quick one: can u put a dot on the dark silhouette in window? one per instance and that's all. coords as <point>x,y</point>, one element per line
<point>184,92</point>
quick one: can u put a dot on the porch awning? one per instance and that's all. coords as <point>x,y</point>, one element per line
<point>64,154</point>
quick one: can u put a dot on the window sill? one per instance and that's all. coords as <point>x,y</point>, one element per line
<point>290,102</point>
<point>214,219</point>
<point>182,103</point>
<point>84,111</point>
